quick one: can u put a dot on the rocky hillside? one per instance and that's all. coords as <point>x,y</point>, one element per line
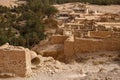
<point>8,3</point>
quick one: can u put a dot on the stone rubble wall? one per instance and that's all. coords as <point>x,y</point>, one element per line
<point>79,46</point>
<point>17,60</point>
<point>68,49</point>
<point>15,63</point>
<point>103,34</point>
<point>58,39</point>
<point>99,34</point>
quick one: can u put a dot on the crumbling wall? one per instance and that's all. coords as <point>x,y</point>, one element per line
<point>80,45</point>
<point>99,34</point>
<point>116,35</point>
<point>15,62</point>
<point>69,50</point>
<point>112,44</point>
<point>87,45</point>
<point>58,39</point>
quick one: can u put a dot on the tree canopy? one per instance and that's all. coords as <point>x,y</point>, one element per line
<point>23,25</point>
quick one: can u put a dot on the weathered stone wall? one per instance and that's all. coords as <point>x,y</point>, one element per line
<point>90,45</point>
<point>116,35</point>
<point>99,34</point>
<point>58,39</point>
<point>103,34</point>
<point>112,44</point>
<point>87,45</point>
<point>95,45</point>
<point>16,62</point>
<point>69,49</point>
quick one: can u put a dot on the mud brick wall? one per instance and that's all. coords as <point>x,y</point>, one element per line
<point>58,39</point>
<point>80,46</point>
<point>69,50</point>
<point>116,35</point>
<point>15,62</point>
<point>99,34</point>
<point>112,44</point>
<point>93,45</point>
<point>87,45</point>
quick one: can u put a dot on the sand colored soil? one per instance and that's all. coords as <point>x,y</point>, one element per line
<point>106,9</point>
<point>89,66</point>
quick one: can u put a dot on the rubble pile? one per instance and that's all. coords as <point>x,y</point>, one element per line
<point>51,48</point>
<point>50,65</point>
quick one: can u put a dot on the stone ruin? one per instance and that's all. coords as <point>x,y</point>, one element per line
<point>17,61</point>
<point>65,48</point>
<point>78,20</point>
<point>76,37</point>
<point>80,30</point>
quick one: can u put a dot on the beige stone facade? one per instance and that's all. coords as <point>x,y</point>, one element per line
<point>15,62</point>
<point>100,34</point>
<point>80,46</point>
<point>58,39</point>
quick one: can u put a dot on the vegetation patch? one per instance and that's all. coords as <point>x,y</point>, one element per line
<point>23,25</point>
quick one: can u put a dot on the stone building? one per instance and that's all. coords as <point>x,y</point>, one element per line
<point>17,61</point>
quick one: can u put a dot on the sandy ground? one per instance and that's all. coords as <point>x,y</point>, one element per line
<point>8,3</point>
<point>94,66</point>
<point>11,3</point>
<point>106,9</point>
<point>101,8</point>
